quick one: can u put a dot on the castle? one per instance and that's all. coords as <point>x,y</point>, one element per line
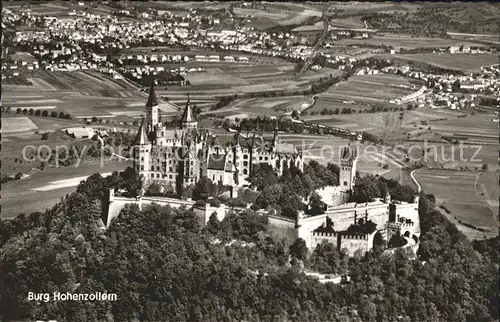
<point>180,157</point>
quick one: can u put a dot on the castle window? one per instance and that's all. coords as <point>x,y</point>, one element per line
<point>157,168</point>
<point>266,159</point>
<point>157,175</point>
<point>345,183</point>
<point>170,176</point>
<point>260,158</point>
<point>142,168</point>
<point>245,156</point>
<point>142,158</point>
<point>152,175</point>
<point>245,171</point>
<point>245,163</point>
<point>152,168</point>
<point>170,169</point>
<point>213,178</point>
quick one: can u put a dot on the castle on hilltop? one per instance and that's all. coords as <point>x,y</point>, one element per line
<point>180,157</point>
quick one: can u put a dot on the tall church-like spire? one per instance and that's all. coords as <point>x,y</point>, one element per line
<point>275,136</point>
<point>152,101</point>
<point>152,110</point>
<point>141,137</point>
<point>188,120</point>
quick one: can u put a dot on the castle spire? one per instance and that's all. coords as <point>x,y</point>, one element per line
<point>188,120</point>
<point>141,137</point>
<point>152,101</point>
<point>275,136</point>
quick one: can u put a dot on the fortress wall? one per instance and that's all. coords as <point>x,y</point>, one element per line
<point>280,221</point>
<point>343,217</point>
<point>353,243</point>
<point>307,225</point>
<point>318,238</point>
<point>409,211</point>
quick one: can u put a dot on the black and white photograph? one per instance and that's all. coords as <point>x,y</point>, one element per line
<point>250,161</point>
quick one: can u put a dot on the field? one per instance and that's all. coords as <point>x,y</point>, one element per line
<point>464,62</point>
<point>80,93</point>
<point>223,79</point>
<point>364,91</point>
<point>456,191</point>
<point>44,189</point>
<point>406,41</point>
<point>274,106</point>
<point>16,124</point>
<point>278,14</point>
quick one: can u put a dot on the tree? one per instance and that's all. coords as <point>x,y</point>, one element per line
<point>484,167</point>
<point>18,110</point>
<point>316,205</point>
<point>298,249</point>
<point>45,113</point>
<point>203,189</point>
<point>53,114</point>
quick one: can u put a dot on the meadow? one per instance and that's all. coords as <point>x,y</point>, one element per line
<point>463,62</point>
<point>79,93</point>
<point>363,91</point>
<point>406,41</point>
<point>28,195</point>
<point>456,192</point>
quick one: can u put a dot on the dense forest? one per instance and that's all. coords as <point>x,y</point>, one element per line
<point>164,266</point>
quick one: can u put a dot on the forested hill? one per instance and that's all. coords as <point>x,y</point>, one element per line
<point>165,267</point>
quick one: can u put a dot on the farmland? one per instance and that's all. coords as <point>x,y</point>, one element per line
<point>456,192</point>
<point>406,41</point>
<point>44,189</point>
<point>463,62</point>
<point>274,106</point>
<point>80,93</point>
<point>364,91</point>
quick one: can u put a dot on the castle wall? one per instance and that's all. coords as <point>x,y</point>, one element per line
<point>318,238</point>
<point>345,215</point>
<point>409,211</point>
<point>353,243</point>
<point>280,221</point>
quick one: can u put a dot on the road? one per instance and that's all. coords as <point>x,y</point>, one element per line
<point>483,198</point>
<point>318,44</point>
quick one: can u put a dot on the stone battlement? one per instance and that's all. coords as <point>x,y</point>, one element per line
<point>320,234</point>
<point>354,237</point>
<point>399,225</point>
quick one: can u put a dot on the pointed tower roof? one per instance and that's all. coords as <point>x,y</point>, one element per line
<point>188,116</point>
<point>152,101</point>
<point>275,136</point>
<point>141,137</point>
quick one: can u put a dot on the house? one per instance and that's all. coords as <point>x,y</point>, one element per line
<point>243,59</point>
<point>229,58</point>
<point>80,132</point>
<point>200,58</point>
<point>214,58</point>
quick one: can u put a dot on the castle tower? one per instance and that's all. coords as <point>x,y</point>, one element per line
<point>142,151</point>
<point>348,161</point>
<point>237,155</point>
<point>152,109</point>
<point>387,198</point>
<point>188,120</point>
<point>275,135</point>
